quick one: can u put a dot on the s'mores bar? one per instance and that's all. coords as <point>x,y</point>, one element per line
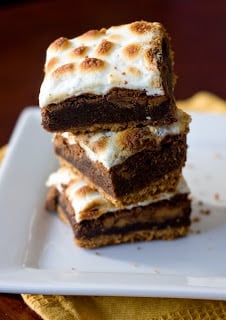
<point>109,79</point>
<point>128,165</point>
<point>97,222</point>
<point>121,141</point>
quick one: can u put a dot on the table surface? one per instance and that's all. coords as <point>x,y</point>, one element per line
<point>197,29</point>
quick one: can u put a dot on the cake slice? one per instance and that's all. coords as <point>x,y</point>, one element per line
<point>109,79</point>
<point>97,222</point>
<point>125,166</point>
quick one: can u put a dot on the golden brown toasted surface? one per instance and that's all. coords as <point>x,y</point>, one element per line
<point>92,64</point>
<point>60,44</point>
<point>140,27</point>
<point>104,47</point>
<point>113,53</point>
<point>64,69</point>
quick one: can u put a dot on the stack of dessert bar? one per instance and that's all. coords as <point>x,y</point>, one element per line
<point>108,97</point>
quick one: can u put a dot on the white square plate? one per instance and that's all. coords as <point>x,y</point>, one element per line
<point>37,253</point>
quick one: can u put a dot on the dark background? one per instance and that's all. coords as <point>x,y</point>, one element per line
<point>197,29</point>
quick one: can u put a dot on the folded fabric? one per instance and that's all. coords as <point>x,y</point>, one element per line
<point>203,101</point>
<point>121,308</point>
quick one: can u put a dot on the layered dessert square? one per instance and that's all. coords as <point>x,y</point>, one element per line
<point>96,222</point>
<point>121,141</point>
<point>128,165</point>
<point>109,79</point>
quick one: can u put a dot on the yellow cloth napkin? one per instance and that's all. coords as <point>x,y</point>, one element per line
<point>121,308</point>
<point>57,307</point>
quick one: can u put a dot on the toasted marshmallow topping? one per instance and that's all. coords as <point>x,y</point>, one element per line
<point>112,148</point>
<point>88,203</point>
<point>126,56</point>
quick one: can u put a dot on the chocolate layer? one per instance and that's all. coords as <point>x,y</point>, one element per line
<point>166,219</point>
<point>176,213</point>
<point>168,233</point>
<point>120,108</point>
<point>134,174</point>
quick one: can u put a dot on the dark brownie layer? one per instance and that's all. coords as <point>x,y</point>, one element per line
<point>135,173</point>
<point>164,219</point>
<point>120,108</point>
<point>168,233</point>
<point>137,218</point>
